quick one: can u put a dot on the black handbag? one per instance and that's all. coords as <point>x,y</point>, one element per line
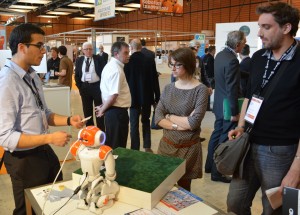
<point>230,156</point>
<point>153,125</point>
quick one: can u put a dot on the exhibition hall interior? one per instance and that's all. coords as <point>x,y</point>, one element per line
<point>163,26</point>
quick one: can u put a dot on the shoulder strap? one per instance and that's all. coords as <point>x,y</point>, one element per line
<point>2,160</point>
<point>268,91</point>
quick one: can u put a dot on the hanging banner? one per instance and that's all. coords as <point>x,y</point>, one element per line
<point>104,9</point>
<point>165,7</point>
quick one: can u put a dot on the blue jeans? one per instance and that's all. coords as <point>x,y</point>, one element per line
<point>265,168</point>
<point>135,112</point>
<point>219,135</point>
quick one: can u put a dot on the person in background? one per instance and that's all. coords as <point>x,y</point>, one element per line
<point>203,76</point>
<point>205,53</point>
<point>143,82</point>
<point>88,71</point>
<point>227,83</point>
<point>145,51</point>
<point>244,68</point>
<point>24,117</point>
<point>208,68</point>
<point>65,68</point>
<point>274,156</point>
<point>149,54</point>
<point>179,112</point>
<point>115,96</point>
<point>103,54</point>
<point>53,63</point>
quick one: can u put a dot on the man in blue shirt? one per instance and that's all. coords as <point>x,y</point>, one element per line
<point>24,117</point>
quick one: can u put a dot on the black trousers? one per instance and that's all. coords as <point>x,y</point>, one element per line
<point>91,94</point>
<point>116,122</point>
<point>30,168</point>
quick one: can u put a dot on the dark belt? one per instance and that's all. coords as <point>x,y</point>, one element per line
<point>88,84</point>
<point>114,107</point>
<point>29,151</point>
<point>182,144</point>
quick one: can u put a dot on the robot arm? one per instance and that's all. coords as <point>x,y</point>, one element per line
<point>110,164</point>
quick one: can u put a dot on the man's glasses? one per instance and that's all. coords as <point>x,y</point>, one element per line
<point>40,46</point>
<point>176,65</point>
<point>88,49</point>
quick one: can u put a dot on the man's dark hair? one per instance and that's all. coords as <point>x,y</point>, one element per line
<point>62,50</point>
<point>55,49</point>
<point>143,42</point>
<point>205,50</point>
<point>282,13</point>
<point>246,50</point>
<point>211,49</point>
<point>117,46</point>
<point>22,34</point>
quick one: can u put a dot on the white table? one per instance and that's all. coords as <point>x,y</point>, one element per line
<point>34,198</point>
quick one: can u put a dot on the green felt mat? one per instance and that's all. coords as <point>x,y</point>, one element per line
<point>142,171</point>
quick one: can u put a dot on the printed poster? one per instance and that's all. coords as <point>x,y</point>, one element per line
<point>104,9</point>
<point>165,7</point>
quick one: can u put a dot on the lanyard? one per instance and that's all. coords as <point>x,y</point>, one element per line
<point>266,79</point>
<point>35,93</point>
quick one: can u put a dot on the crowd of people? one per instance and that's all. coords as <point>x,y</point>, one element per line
<point>129,84</point>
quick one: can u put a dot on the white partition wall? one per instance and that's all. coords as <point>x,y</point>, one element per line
<point>58,100</point>
<point>250,29</point>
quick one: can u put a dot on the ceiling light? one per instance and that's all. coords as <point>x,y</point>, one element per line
<point>58,13</point>
<point>82,18</point>
<point>124,9</point>
<point>21,10</point>
<point>89,15</point>
<point>67,9</point>
<point>88,1</point>
<point>135,5</point>
<point>81,5</point>
<point>23,7</point>
<point>34,1</point>
<point>47,16</point>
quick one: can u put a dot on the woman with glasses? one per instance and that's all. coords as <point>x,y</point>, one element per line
<point>179,112</point>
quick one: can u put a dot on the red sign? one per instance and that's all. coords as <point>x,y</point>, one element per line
<point>166,7</point>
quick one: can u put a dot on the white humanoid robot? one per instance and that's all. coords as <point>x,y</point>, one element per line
<point>96,193</point>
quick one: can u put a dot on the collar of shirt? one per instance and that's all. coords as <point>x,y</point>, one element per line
<point>117,62</point>
<point>289,56</point>
<point>85,58</point>
<point>20,71</point>
<point>230,49</point>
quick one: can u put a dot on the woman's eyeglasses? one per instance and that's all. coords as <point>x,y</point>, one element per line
<point>176,65</point>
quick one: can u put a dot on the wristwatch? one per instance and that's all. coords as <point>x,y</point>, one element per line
<point>174,126</point>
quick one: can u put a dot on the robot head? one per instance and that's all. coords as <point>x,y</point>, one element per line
<point>91,136</point>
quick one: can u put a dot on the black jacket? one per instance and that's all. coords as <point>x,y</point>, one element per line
<point>99,65</point>
<point>142,79</point>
